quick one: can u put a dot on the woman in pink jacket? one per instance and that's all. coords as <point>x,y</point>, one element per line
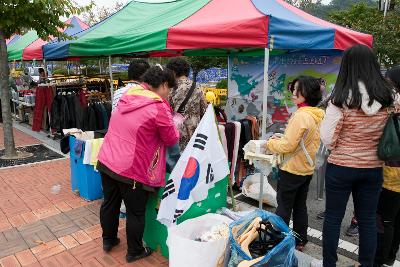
<point>132,159</point>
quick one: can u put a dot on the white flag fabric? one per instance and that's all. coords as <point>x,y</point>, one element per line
<point>202,164</point>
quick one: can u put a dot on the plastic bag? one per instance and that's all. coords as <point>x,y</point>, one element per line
<point>251,188</point>
<point>281,255</point>
<point>185,251</point>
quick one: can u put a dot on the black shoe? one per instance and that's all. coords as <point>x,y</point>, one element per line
<point>131,258</point>
<point>107,247</point>
<point>352,230</point>
<point>321,215</point>
<point>390,262</point>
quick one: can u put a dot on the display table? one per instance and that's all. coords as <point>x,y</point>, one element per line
<point>262,162</point>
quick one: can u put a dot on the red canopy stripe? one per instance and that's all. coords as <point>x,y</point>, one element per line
<point>221,23</point>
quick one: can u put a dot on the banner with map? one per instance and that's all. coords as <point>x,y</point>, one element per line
<point>246,79</point>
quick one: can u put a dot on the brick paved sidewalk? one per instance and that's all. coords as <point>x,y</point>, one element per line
<point>21,139</point>
<point>39,228</point>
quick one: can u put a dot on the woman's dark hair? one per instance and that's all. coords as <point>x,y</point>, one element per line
<point>179,66</point>
<point>394,76</point>
<point>155,76</point>
<point>41,70</point>
<point>137,68</point>
<point>310,89</point>
<point>359,64</point>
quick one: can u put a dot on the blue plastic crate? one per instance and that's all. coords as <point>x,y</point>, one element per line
<point>84,179</point>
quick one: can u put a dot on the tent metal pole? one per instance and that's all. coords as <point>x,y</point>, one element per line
<point>264,119</point>
<point>265,95</point>
<point>111,78</point>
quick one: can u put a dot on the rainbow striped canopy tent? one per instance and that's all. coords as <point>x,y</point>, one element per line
<point>29,46</point>
<point>212,27</point>
<point>162,28</point>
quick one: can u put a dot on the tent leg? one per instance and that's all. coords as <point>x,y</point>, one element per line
<point>111,78</point>
<point>264,117</point>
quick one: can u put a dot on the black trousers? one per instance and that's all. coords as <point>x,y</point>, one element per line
<point>135,202</point>
<point>388,221</point>
<point>292,197</point>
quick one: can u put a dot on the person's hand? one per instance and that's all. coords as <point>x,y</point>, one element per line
<point>178,119</point>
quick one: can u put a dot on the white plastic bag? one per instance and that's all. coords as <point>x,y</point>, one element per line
<point>185,251</point>
<point>251,188</point>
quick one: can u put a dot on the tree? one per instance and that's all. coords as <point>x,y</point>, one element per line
<point>202,63</point>
<point>44,16</point>
<point>98,13</point>
<point>318,9</point>
<point>369,19</point>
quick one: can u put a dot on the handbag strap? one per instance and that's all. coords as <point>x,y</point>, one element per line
<point>182,106</point>
<point>302,148</point>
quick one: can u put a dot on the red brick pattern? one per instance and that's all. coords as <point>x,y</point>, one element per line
<point>40,229</point>
<point>20,138</point>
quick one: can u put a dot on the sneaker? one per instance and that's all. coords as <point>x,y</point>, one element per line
<point>352,230</point>
<point>321,215</point>
<point>132,258</point>
<point>107,247</point>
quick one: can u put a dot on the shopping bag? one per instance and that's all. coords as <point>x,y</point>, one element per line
<point>185,251</point>
<point>282,255</point>
<point>251,189</point>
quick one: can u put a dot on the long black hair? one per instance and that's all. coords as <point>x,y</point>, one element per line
<point>394,76</point>
<point>359,63</point>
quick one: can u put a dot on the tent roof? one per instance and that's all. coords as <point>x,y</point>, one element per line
<point>29,47</point>
<point>159,27</point>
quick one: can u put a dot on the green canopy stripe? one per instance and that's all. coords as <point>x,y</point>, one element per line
<point>16,50</point>
<point>139,27</point>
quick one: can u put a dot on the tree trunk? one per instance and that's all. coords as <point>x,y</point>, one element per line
<point>9,143</point>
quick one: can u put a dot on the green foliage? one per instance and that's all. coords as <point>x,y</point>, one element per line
<point>370,20</point>
<point>318,9</point>
<point>62,72</point>
<point>222,84</point>
<point>44,16</point>
<point>98,13</point>
<point>203,63</point>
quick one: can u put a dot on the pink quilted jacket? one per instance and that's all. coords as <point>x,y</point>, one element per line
<point>140,129</point>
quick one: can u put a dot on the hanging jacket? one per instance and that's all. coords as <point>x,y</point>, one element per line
<point>135,144</point>
<point>304,123</point>
<point>55,122</point>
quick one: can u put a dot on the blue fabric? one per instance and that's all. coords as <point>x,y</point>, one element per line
<point>281,255</point>
<point>290,31</point>
<point>365,185</point>
<point>73,28</point>
<point>78,148</point>
<point>56,49</point>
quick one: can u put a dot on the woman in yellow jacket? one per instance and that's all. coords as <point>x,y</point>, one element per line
<point>298,146</point>
<point>388,213</point>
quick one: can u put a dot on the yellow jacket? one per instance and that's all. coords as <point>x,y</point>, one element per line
<point>391,178</point>
<point>303,120</point>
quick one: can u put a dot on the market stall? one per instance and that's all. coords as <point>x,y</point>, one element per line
<point>216,28</point>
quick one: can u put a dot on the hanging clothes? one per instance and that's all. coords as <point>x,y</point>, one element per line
<point>44,99</point>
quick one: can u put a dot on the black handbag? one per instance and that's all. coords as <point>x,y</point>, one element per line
<point>389,145</point>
